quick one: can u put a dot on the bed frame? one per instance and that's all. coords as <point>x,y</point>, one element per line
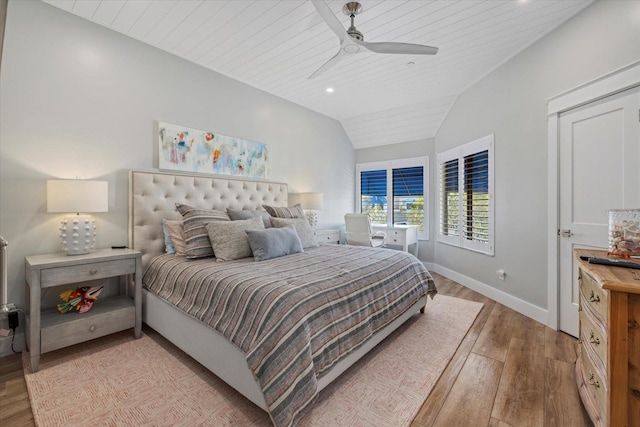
<point>152,197</point>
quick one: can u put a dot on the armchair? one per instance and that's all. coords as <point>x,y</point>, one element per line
<point>358,231</point>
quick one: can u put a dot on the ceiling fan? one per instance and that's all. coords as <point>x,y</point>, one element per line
<point>352,40</point>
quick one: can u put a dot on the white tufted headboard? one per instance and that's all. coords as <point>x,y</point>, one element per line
<point>153,195</point>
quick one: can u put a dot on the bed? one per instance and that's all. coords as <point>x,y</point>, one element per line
<point>274,362</point>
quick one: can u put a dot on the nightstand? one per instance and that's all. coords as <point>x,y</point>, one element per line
<point>49,330</point>
<point>328,235</point>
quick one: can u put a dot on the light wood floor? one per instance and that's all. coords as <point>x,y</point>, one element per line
<point>509,371</point>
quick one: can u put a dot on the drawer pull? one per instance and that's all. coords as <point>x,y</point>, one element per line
<point>593,297</point>
<point>93,271</point>
<point>593,339</point>
<point>636,392</point>
<point>593,381</point>
<point>92,328</point>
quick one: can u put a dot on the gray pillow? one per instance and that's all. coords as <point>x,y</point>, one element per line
<point>307,237</point>
<point>294,211</point>
<point>274,242</point>
<point>229,239</point>
<point>239,214</point>
<point>195,233</point>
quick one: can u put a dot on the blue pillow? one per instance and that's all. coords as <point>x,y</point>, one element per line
<point>274,242</point>
<point>168,243</point>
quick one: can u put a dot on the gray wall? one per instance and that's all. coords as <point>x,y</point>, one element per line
<point>77,99</point>
<point>511,103</point>
<point>419,148</point>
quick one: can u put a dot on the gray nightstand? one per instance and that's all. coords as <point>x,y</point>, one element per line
<point>328,235</point>
<point>49,330</point>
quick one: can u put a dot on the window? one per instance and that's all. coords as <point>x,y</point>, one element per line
<point>395,192</point>
<point>465,196</point>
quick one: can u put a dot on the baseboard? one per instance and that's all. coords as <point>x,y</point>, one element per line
<point>5,344</point>
<point>523,307</point>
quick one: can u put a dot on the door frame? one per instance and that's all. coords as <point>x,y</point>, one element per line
<point>609,84</point>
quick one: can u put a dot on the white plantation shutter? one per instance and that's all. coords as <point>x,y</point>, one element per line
<point>449,186</point>
<point>373,194</point>
<point>475,199</point>
<point>465,193</point>
<point>395,192</point>
<point>408,186</point>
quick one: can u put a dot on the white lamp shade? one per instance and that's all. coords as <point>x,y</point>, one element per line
<point>77,196</point>
<point>311,201</point>
<point>294,198</point>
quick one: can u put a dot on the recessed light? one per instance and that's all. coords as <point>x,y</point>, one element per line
<point>329,90</point>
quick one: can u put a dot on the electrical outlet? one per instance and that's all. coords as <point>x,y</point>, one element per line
<point>501,274</point>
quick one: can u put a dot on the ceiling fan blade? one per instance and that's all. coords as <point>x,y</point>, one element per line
<point>401,48</point>
<point>327,15</point>
<point>330,63</point>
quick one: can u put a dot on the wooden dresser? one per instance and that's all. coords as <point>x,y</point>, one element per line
<point>608,364</point>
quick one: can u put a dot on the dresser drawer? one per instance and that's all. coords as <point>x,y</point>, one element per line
<point>395,237</point>
<point>594,385</point>
<point>108,315</point>
<point>81,273</point>
<point>328,236</point>
<point>594,296</point>
<point>634,357</point>
<point>594,339</point>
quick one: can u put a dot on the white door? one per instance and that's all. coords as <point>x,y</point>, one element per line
<point>599,170</point>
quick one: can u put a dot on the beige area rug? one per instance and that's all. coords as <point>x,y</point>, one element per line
<point>120,381</point>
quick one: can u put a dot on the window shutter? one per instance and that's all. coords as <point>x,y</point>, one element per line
<point>373,195</point>
<point>466,196</point>
<point>373,183</point>
<point>408,181</point>
<point>476,197</point>
<point>450,199</point>
<point>408,196</point>
<point>395,192</point>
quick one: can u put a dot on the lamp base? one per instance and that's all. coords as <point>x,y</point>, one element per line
<point>312,217</point>
<point>77,234</point>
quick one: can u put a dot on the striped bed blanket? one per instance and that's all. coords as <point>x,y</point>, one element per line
<point>295,316</point>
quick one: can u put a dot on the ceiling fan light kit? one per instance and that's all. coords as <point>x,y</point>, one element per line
<point>352,40</point>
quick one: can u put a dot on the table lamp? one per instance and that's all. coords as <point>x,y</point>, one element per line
<point>311,202</point>
<point>78,232</point>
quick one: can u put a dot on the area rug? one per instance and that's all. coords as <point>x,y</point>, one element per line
<point>120,381</point>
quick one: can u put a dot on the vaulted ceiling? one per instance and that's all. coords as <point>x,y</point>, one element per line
<point>275,45</point>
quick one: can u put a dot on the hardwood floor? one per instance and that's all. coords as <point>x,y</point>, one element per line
<point>15,409</point>
<point>508,371</point>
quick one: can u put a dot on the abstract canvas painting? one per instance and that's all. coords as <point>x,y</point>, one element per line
<point>191,150</point>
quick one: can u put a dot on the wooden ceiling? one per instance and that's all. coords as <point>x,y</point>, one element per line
<point>274,45</point>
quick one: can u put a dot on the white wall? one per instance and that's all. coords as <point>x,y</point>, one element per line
<point>406,150</point>
<point>511,103</point>
<point>77,99</point>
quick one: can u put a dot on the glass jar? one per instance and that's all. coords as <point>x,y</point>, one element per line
<point>624,232</point>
